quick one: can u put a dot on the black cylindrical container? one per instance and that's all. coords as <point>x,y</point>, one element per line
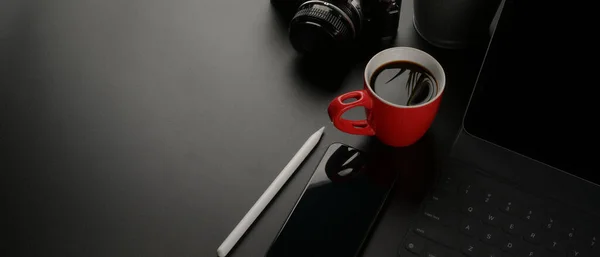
<point>454,23</point>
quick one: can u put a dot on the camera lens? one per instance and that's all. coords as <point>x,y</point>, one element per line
<point>320,26</point>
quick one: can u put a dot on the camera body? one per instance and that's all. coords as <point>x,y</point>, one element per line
<point>321,26</point>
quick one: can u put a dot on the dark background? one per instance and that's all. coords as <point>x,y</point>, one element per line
<point>150,127</point>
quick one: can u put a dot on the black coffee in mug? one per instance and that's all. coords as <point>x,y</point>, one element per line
<point>404,83</point>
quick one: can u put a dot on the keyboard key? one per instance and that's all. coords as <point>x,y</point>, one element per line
<point>533,236</point>
<point>532,252</point>
<point>547,253</point>
<point>469,209</point>
<point>414,244</point>
<point>442,215</point>
<point>432,213</point>
<point>555,220</point>
<point>448,183</point>
<point>441,196</point>
<point>488,251</point>
<point>435,251</point>
<point>575,253</point>
<point>589,241</point>
<point>437,234</point>
<point>548,224</point>
<point>512,226</point>
<point>555,245</point>
<point>491,236</point>
<point>509,207</point>
<point>471,248</point>
<point>580,248</point>
<point>532,215</point>
<point>511,245</point>
<point>491,217</point>
<point>489,198</point>
<point>470,227</point>
<point>484,196</point>
<point>571,233</point>
<point>466,190</point>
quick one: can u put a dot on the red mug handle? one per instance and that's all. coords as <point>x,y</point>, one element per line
<point>337,107</point>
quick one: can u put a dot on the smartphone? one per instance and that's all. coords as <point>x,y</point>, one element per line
<point>335,213</point>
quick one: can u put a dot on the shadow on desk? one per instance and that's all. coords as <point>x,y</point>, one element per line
<point>414,165</point>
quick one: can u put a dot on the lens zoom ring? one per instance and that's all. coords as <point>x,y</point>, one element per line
<point>335,21</point>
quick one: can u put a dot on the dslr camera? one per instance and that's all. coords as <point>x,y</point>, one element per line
<point>322,26</point>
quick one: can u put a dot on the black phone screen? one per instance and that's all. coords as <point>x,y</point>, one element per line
<point>339,205</point>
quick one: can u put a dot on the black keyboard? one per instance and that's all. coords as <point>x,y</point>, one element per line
<point>478,216</point>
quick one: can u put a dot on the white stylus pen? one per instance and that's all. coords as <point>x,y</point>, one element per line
<point>268,195</point>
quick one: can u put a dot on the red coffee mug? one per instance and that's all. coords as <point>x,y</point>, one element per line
<point>392,124</point>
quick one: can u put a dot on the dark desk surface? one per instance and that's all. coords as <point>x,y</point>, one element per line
<point>149,128</point>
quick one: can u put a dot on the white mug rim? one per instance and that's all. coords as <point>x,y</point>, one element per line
<point>441,82</point>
